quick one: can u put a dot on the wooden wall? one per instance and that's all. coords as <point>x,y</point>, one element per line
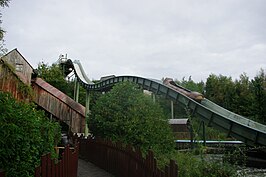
<point>59,105</point>
<point>10,82</point>
<point>21,66</point>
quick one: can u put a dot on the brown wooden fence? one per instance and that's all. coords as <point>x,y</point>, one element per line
<point>66,167</point>
<point>2,173</point>
<point>123,161</point>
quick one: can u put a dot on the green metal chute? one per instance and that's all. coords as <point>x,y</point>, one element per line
<point>243,129</point>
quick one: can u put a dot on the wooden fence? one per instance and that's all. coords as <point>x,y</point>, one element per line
<point>123,161</point>
<point>66,167</point>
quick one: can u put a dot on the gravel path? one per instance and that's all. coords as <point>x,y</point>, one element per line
<point>87,169</point>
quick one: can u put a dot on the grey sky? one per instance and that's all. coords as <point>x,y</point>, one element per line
<point>149,38</point>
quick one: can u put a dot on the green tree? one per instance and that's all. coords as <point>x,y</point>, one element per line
<point>259,91</point>
<point>3,50</point>
<point>220,89</point>
<point>4,3</point>
<point>243,97</point>
<point>25,135</point>
<point>54,75</point>
<point>191,85</point>
<point>126,114</point>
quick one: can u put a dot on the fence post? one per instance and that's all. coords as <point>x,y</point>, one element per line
<point>173,169</point>
<point>62,168</point>
<point>37,171</point>
<point>2,173</point>
<point>167,171</point>
<point>43,165</point>
<point>53,169</point>
<point>48,162</point>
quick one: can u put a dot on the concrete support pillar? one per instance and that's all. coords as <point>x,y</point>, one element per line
<point>87,113</point>
<point>76,90</point>
<point>153,97</point>
<point>172,110</point>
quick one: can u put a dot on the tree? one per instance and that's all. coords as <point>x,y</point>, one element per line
<point>259,91</point>
<point>126,114</point>
<point>191,85</point>
<point>243,96</point>
<point>220,89</point>
<point>3,50</point>
<point>4,3</point>
<point>54,76</point>
<point>25,135</point>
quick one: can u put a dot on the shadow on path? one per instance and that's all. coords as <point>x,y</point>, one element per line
<point>87,169</point>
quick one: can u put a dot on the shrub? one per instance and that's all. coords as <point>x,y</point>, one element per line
<point>126,114</point>
<point>190,165</point>
<point>25,134</point>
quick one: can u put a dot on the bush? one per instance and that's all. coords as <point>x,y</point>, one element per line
<point>25,134</point>
<point>125,114</point>
<point>190,165</point>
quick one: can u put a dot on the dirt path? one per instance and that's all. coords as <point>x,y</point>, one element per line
<point>87,169</point>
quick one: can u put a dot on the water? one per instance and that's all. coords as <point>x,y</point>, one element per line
<point>242,171</point>
<point>251,172</point>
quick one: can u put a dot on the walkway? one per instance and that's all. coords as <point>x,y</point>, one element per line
<point>87,169</point>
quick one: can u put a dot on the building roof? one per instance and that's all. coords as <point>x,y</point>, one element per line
<point>16,50</point>
<point>178,121</point>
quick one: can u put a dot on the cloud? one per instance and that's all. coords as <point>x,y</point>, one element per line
<point>147,38</point>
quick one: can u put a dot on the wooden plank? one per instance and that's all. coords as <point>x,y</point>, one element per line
<point>44,165</point>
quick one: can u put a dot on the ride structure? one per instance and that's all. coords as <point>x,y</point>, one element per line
<point>250,132</point>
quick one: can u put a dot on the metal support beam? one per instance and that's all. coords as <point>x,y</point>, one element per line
<point>76,90</point>
<point>172,110</point>
<point>191,135</point>
<point>204,133</point>
<point>87,113</point>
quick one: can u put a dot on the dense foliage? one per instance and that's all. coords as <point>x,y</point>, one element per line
<point>25,135</point>
<point>242,96</point>
<point>3,50</point>
<point>54,75</point>
<point>192,165</point>
<point>191,85</point>
<point>3,3</point>
<point>126,114</point>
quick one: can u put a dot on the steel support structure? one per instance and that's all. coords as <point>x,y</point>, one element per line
<point>172,110</point>
<point>76,90</point>
<point>87,112</point>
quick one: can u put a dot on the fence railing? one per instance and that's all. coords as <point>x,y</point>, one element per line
<point>66,167</point>
<point>123,161</point>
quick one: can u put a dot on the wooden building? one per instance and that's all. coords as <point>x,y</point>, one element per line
<point>180,128</point>
<point>20,65</point>
<point>16,78</point>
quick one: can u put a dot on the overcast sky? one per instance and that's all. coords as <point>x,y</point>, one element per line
<point>148,38</point>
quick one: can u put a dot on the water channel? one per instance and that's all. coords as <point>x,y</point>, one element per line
<point>242,171</point>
